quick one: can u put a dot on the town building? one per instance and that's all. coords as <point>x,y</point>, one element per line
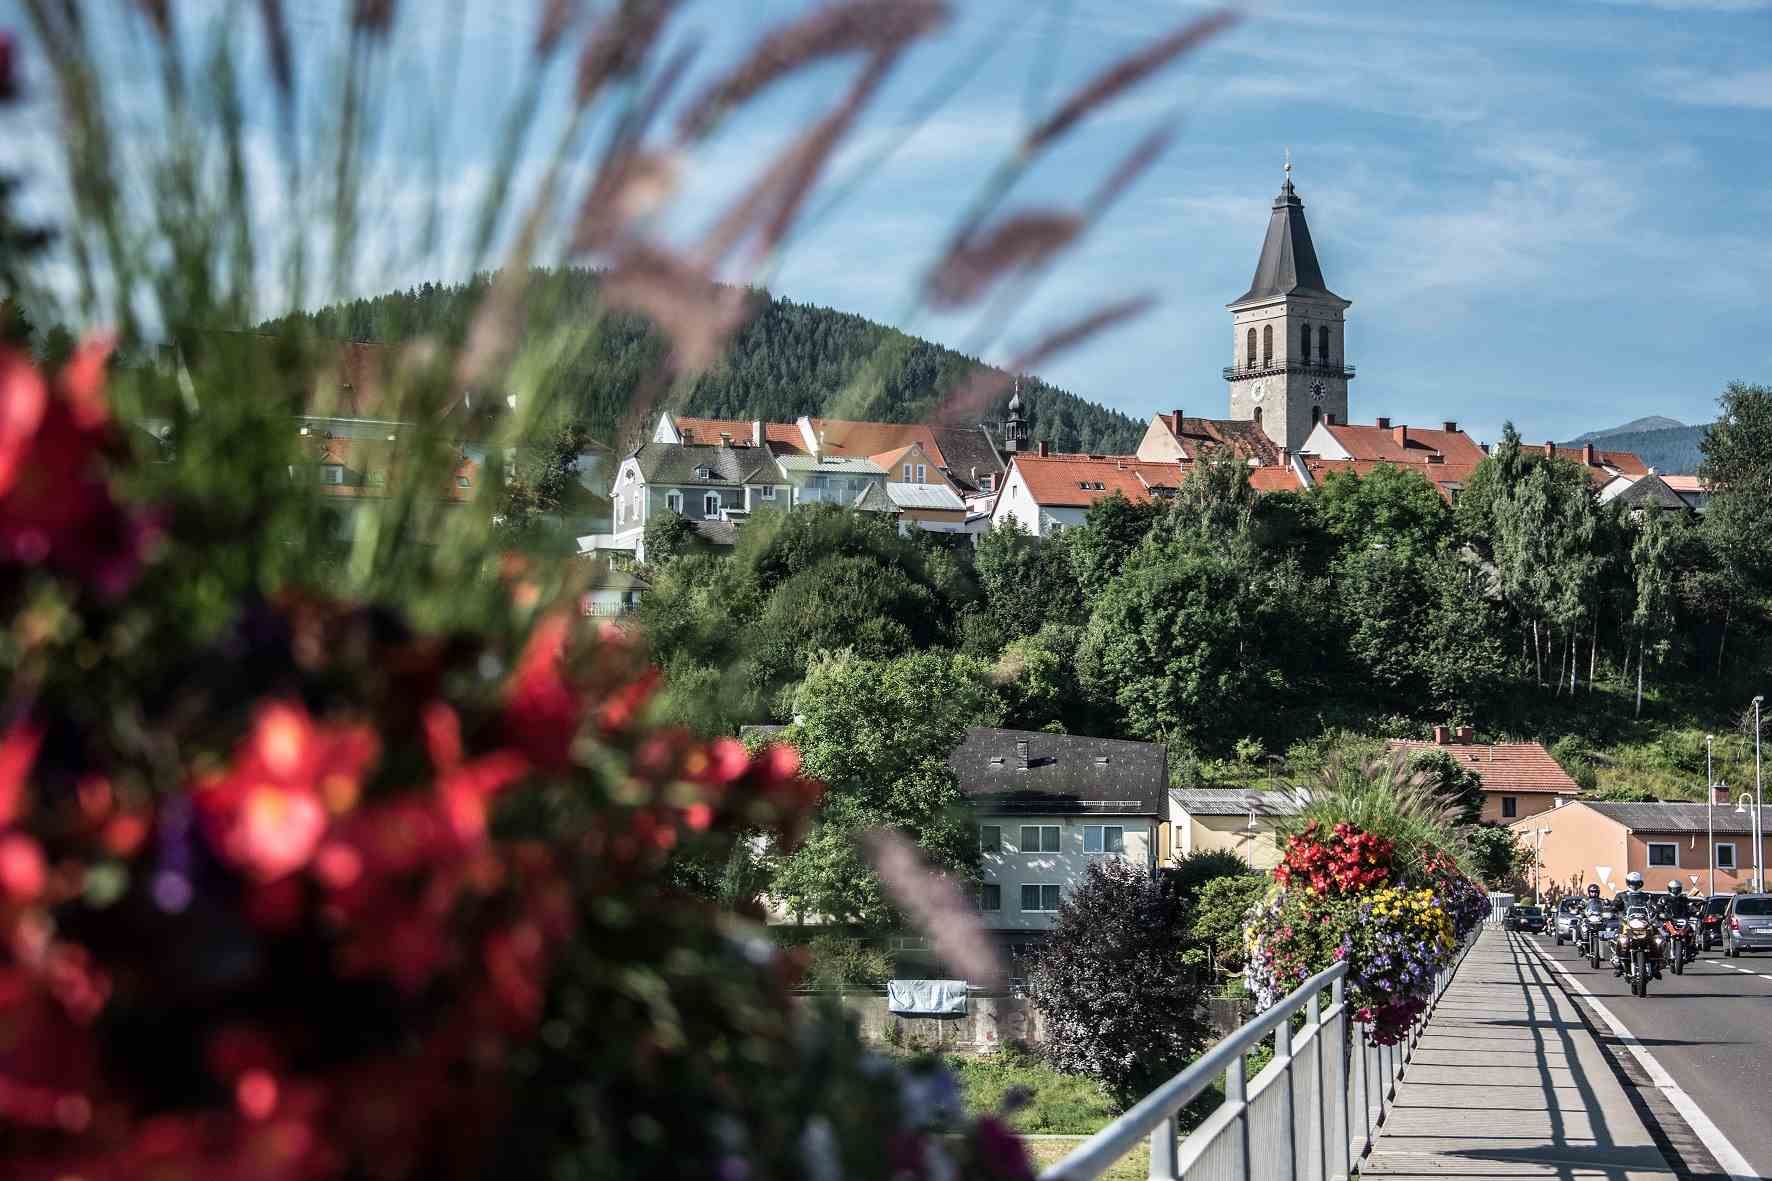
<point>1588,841</point>
<point>923,494</point>
<point>1288,365</point>
<point>1656,490</point>
<point>1235,820</point>
<point>1174,437</point>
<point>1047,806</point>
<point>1046,493</point>
<point>711,484</point>
<point>1393,443</point>
<point>1520,779</point>
<point>611,592</point>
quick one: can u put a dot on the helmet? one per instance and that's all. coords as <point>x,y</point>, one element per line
<point>1634,880</point>
<point>1593,890</point>
<point>1673,889</point>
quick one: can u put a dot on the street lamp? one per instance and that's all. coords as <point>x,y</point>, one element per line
<point>1759,801</point>
<point>1710,798</point>
<point>1538,863</point>
<point>1747,805</point>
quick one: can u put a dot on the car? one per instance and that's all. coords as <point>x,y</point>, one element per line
<point>1524,918</point>
<point>1747,924</point>
<point>1710,920</point>
<point>1564,918</point>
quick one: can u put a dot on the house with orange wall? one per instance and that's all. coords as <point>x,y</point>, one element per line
<point>1597,841</point>
<point>1520,779</point>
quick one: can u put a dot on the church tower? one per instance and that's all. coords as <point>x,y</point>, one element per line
<point>1288,370</point>
<point>1015,429</point>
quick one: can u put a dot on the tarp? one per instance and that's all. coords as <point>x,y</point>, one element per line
<point>922,998</point>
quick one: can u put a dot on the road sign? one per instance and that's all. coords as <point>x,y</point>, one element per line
<point>1604,873</point>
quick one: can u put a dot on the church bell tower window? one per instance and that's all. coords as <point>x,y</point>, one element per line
<point>1267,344</point>
<point>1322,344</point>
<point>1249,355</point>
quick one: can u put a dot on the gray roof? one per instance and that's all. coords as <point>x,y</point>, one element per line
<point>1231,801</point>
<point>1063,773</point>
<point>934,496</point>
<point>1651,491</point>
<point>677,463</point>
<point>859,465</point>
<point>873,499</point>
<point>1673,818</point>
<point>606,576</point>
<point>1288,263</point>
<point>969,453</point>
<point>716,532</point>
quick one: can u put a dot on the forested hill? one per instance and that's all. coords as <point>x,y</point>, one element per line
<point>790,359</point>
<point>1670,449</point>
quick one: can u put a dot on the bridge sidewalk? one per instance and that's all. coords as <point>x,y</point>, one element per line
<point>1508,1082</point>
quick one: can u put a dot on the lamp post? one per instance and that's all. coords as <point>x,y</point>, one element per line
<point>1759,804</point>
<point>1538,863</point>
<point>1746,805</point>
<point>1710,798</point>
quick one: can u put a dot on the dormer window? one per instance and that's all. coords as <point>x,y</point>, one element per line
<point>988,483</point>
<point>704,473</point>
<point>332,473</point>
<point>1092,485</point>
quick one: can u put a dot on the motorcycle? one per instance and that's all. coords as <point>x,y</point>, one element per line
<point>1595,930</point>
<point>1636,952</point>
<point>1681,937</point>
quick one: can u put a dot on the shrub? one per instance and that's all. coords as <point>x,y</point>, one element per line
<point>1118,1003</point>
<point>837,962</point>
<point>1221,916</point>
<point>1192,872</point>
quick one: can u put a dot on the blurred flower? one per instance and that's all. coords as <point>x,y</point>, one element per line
<point>1000,1152</point>
<point>8,67</point>
<point>973,265</point>
<point>935,905</point>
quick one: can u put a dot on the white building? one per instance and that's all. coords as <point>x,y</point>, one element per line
<point>1047,805</point>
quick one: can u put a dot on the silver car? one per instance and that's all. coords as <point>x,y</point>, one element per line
<point>1747,924</point>
<point>1564,919</point>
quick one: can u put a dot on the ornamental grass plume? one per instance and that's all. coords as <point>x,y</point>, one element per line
<point>334,841</point>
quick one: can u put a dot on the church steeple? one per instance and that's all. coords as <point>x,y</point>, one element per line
<point>1015,428</point>
<point>1288,371</point>
<point>1288,264</point>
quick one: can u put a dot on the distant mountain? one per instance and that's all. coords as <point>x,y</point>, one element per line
<point>789,359</point>
<point>1636,426</point>
<point>1671,450</point>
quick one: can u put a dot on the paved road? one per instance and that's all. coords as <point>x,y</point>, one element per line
<point>1710,1028</point>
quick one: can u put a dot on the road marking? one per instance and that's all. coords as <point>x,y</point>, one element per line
<point>1728,1157</point>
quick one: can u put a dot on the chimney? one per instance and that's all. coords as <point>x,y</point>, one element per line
<point>1721,790</point>
<point>1436,457</point>
<point>756,432</point>
<point>1329,418</point>
<point>1550,450</point>
<point>1466,735</point>
<point>1384,424</point>
<point>1021,752</point>
<point>1587,454</point>
<point>1449,426</point>
<point>1177,413</point>
<point>1401,435</point>
<point>1045,448</point>
<point>1442,735</point>
<point>725,438</point>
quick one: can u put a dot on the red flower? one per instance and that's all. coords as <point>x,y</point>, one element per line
<point>1000,1152</point>
<point>543,708</point>
<point>268,812</point>
<point>56,506</point>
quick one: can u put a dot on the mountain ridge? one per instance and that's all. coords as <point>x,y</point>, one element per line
<point>1636,426</point>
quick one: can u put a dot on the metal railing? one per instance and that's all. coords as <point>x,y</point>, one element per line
<point>1343,370</point>
<point>1311,1114</point>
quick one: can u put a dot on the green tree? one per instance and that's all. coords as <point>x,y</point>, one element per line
<point>878,734</point>
<point>1113,528</point>
<point>1027,582</point>
<point>1497,855</point>
<point>668,536</point>
<point>1652,556</point>
<point>1036,679</point>
<point>1390,506</point>
<point>1738,464</point>
<point>1221,913</point>
<point>1451,779</point>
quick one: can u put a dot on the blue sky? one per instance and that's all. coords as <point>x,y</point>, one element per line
<point>1549,213</point>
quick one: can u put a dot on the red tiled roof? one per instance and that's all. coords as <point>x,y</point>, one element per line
<point>1274,478</point>
<point>1081,480</point>
<point>1246,440</point>
<point>1504,766</point>
<point>1445,477</point>
<point>373,469</point>
<point>842,437</point>
<point>1686,483</point>
<point>1604,462</point>
<point>1400,443</point>
<point>708,430</point>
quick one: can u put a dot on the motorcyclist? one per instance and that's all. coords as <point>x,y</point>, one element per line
<point>1634,896</point>
<point>1675,907</point>
<point>1593,912</point>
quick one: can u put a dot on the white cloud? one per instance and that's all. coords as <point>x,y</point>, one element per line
<point>1749,89</point>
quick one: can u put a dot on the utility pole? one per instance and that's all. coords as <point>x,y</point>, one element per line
<point>1538,866</point>
<point>1710,798</point>
<point>1759,803</point>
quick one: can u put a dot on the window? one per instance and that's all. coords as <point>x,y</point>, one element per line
<point>990,838</point>
<point>907,473</point>
<point>704,473</point>
<point>1258,416</point>
<point>1304,342</point>
<point>710,505</point>
<point>674,501</point>
<point>769,492</point>
<point>922,473</point>
<point>1104,838</point>
<point>1726,855</point>
<point>1510,807</point>
<point>1267,344</point>
<point>990,897</point>
<point>987,483</point>
<point>1322,343</point>
<point>1040,899</point>
<point>1316,415</point>
<point>460,481</point>
<point>1249,350</point>
<point>1664,854</point>
<point>332,473</point>
<point>1039,838</point>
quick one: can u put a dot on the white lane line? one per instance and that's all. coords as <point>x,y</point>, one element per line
<point>1728,1156</point>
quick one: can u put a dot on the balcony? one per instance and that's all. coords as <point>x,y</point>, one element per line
<point>1330,368</point>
